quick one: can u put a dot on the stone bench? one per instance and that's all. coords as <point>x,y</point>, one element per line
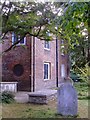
<point>8,86</point>
<point>42,97</point>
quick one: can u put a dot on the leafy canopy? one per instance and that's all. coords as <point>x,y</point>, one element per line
<point>39,19</point>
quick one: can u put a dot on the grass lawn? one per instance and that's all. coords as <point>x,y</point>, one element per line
<point>82,90</point>
<point>15,110</point>
<point>28,110</point>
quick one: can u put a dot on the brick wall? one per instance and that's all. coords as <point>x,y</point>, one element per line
<point>23,55</point>
<point>64,59</point>
<point>41,56</point>
<point>18,55</point>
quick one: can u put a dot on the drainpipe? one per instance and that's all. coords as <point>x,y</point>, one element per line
<point>56,61</point>
<point>30,78</point>
<point>33,63</point>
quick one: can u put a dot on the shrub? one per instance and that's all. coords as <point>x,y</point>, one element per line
<point>83,72</point>
<point>7,97</point>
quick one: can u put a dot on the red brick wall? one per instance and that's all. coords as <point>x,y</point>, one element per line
<point>64,59</point>
<point>41,56</point>
<point>18,55</point>
<point>24,55</point>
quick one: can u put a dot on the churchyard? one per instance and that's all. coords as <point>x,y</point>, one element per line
<point>40,111</point>
<point>17,110</point>
<point>67,21</point>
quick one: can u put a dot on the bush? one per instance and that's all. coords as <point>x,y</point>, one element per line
<point>82,72</point>
<point>82,90</point>
<point>7,97</point>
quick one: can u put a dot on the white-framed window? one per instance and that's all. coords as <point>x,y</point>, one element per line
<point>62,47</point>
<point>47,45</point>
<point>16,38</point>
<point>63,71</point>
<point>47,71</point>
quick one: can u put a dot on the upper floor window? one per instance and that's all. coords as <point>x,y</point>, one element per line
<point>16,38</point>
<point>62,47</point>
<point>47,45</point>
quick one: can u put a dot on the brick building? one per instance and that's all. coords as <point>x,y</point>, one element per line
<point>34,64</point>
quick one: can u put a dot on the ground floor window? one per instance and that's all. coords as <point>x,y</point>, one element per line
<point>46,71</point>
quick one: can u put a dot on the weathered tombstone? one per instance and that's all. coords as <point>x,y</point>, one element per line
<point>67,100</point>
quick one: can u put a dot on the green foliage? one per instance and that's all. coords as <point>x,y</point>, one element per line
<point>37,18</point>
<point>82,90</point>
<point>83,86</point>
<point>75,77</point>
<point>25,17</point>
<point>7,97</point>
<point>74,22</point>
<point>83,72</point>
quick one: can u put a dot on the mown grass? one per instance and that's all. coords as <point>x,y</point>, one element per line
<point>28,110</point>
<point>82,90</point>
<point>40,111</point>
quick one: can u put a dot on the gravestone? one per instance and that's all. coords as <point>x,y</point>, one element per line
<point>67,100</point>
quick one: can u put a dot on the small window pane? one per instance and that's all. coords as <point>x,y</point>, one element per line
<point>16,38</point>
<point>63,70</point>
<point>47,44</point>
<point>46,70</point>
<point>22,41</point>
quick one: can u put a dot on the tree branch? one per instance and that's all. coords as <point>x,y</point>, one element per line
<point>12,45</point>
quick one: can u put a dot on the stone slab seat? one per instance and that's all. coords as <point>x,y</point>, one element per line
<point>42,97</point>
<point>21,97</point>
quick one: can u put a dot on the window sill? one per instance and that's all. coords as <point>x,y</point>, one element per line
<point>20,44</point>
<point>47,49</point>
<point>46,79</point>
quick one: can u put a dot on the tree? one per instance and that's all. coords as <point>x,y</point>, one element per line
<point>73,26</point>
<point>23,17</point>
<point>71,18</point>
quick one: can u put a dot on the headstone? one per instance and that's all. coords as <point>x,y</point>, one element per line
<point>67,100</point>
